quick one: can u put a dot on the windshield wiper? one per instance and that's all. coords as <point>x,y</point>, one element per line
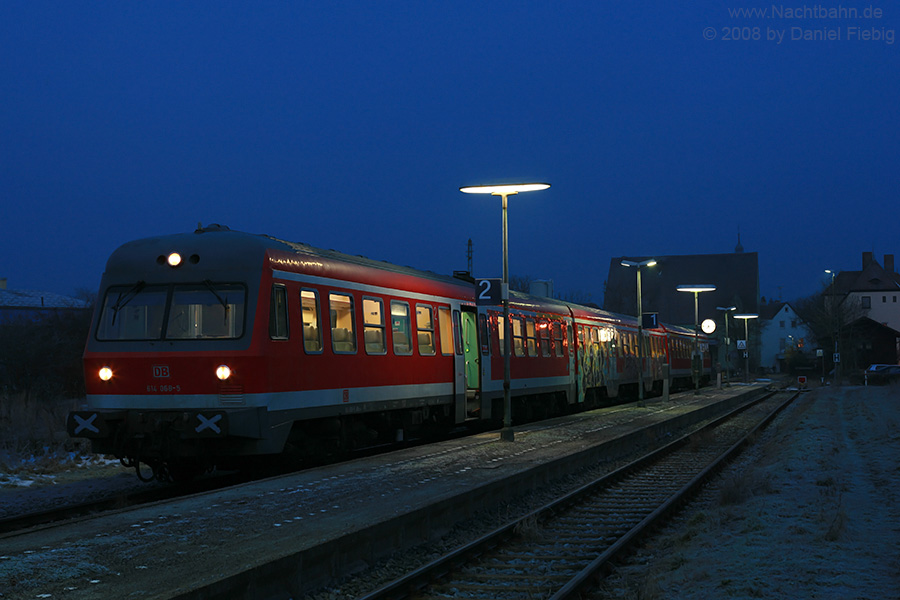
<point>222,301</point>
<point>126,297</point>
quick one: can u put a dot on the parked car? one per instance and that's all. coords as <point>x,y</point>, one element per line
<point>881,374</point>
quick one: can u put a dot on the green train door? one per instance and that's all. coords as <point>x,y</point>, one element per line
<point>472,357</point>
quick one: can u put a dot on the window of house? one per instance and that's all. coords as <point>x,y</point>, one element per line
<point>400,328</point>
<point>866,301</point>
<point>309,315</point>
<point>781,324</point>
<point>373,325</point>
<point>343,336</point>
<point>425,327</point>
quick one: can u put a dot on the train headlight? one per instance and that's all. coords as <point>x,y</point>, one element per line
<point>223,372</point>
<point>105,373</point>
<point>174,259</point>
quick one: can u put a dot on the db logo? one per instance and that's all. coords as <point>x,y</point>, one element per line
<point>161,371</point>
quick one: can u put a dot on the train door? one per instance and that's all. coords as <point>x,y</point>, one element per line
<point>573,364</point>
<point>472,357</point>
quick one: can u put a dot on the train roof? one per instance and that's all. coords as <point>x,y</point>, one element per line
<point>219,247</point>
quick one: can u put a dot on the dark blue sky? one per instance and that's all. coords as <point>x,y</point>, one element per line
<point>351,125</point>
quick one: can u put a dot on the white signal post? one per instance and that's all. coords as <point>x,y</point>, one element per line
<point>746,317</point>
<point>506,434</point>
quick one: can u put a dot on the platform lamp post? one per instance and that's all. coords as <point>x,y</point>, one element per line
<point>640,326</point>
<point>504,190</point>
<point>746,317</point>
<point>696,289</point>
<point>726,310</point>
<point>834,331</point>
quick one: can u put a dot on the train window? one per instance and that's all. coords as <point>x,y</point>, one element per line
<point>309,315</point>
<point>457,340</point>
<point>483,333</point>
<point>446,330</point>
<point>373,325</point>
<point>530,337</point>
<point>400,329</point>
<point>206,311</point>
<point>343,321</point>
<point>501,335</point>
<point>425,326</point>
<point>544,338</point>
<point>278,313</point>
<point>133,312</point>
<point>518,336</point>
<point>558,338</point>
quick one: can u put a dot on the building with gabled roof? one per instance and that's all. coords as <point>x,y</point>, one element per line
<point>782,331</point>
<point>874,289</point>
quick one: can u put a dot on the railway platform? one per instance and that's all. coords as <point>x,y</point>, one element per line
<point>287,536</point>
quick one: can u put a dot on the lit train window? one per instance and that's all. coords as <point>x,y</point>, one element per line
<point>530,337</point>
<point>558,338</point>
<point>501,335</point>
<point>446,331</point>
<point>343,330</point>
<point>544,338</point>
<point>309,314</point>
<point>278,313</point>
<point>425,326</point>
<point>133,312</point>
<point>206,311</point>
<point>373,325</point>
<point>400,328</point>
<point>518,336</point>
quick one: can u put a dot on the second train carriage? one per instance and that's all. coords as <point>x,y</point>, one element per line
<point>216,345</point>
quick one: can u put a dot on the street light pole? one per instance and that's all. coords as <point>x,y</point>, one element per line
<point>726,309</point>
<point>640,326</point>
<point>834,328</point>
<point>506,433</point>
<point>696,359</point>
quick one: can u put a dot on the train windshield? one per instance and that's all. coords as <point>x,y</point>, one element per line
<point>174,312</point>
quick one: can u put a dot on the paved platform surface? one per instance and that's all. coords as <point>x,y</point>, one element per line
<point>295,532</point>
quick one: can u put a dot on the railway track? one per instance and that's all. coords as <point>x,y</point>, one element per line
<point>560,549</point>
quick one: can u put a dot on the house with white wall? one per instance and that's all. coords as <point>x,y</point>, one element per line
<point>781,331</point>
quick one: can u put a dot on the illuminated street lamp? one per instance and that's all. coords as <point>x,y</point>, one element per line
<point>640,315</point>
<point>746,317</point>
<point>696,360</point>
<point>507,433</point>
<point>726,309</point>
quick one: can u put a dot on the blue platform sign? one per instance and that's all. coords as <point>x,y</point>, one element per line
<point>650,320</point>
<point>488,292</point>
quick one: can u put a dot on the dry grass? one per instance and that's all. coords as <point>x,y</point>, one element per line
<point>33,435</point>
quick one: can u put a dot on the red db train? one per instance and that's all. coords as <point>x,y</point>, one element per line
<point>213,347</point>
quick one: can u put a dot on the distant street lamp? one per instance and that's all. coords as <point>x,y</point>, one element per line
<point>506,434</point>
<point>640,313</point>
<point>746,317</point>
<point>726,309</point>
<point>696,360</point>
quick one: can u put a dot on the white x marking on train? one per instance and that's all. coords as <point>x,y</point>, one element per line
<point>86,424</point>
<point>208,423</point>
